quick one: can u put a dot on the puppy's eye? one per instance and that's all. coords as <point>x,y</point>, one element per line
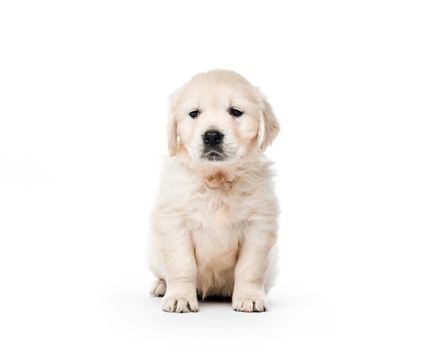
<point>194,114</point>
<point>235,112</point>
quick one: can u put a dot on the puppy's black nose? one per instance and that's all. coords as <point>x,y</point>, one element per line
<point>212,137</point>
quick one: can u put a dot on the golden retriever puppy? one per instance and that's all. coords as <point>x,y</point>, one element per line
<point>214,225</point>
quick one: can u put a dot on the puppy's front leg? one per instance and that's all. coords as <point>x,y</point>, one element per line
<point>180,269</point>
<point>249,294</point>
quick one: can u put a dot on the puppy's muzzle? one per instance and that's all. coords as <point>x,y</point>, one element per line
<point>213,140</point>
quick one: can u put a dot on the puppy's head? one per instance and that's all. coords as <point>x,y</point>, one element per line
<point>218,116</point>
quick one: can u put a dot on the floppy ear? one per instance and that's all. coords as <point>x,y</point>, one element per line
<point>172,126</point>
<point>172,135</point>
<point>268,127</point>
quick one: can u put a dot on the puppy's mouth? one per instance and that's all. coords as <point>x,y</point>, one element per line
<point>213,156</point>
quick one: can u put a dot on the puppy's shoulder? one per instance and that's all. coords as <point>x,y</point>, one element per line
<point>175,178</point>
<point>258,175</point>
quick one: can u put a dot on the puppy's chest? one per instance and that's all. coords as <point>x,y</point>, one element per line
<point>215,227</point>
<point>214,211</point>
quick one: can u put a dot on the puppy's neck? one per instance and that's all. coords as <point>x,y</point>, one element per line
<point>224,177</point>
<point>219,180</point>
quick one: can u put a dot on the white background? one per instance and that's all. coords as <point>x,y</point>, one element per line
<point>83,101</point>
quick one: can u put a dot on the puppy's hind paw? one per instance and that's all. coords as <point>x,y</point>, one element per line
<point>250,304</point>
<point>180,304</point>
<point>159,288</point>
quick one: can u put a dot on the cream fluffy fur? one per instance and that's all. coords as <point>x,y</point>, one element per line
<point>214,224</point>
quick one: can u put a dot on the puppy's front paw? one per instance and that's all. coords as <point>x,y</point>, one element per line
<point>180,304</point>
<point>251,303</point>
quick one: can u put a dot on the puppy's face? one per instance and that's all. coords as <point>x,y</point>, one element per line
<point>220,117</point>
